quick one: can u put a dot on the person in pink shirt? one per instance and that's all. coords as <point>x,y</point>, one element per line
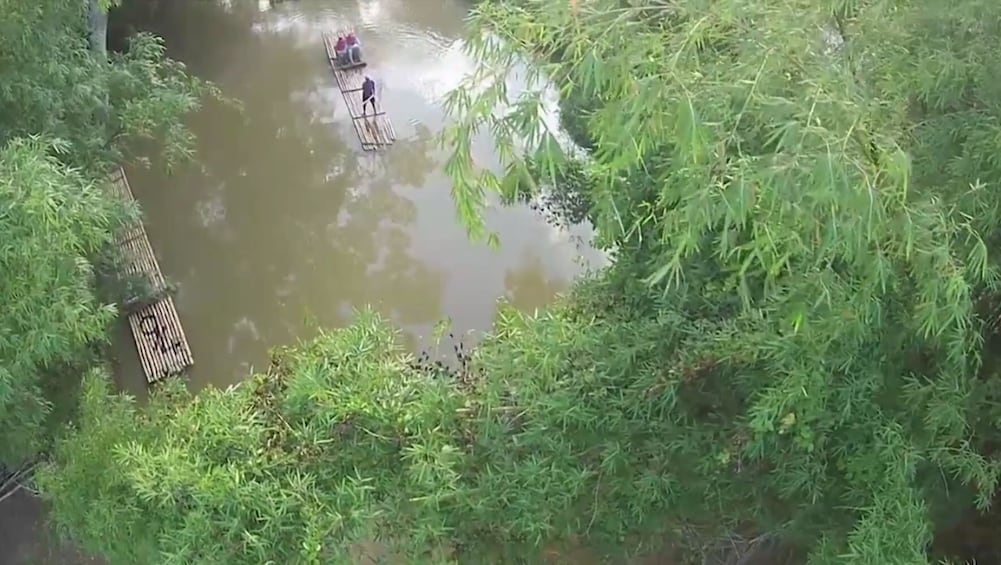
<point>341,49</point>
<point>354,49</point>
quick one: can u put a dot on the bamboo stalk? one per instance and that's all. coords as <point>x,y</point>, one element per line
<point>181,354</point>
<point>189,359</point>
<point>147,354</point>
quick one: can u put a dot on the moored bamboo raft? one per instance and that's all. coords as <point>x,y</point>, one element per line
<point>375,130</point>
<point>160,340</point>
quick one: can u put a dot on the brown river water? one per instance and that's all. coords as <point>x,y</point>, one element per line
<point>285,222</point>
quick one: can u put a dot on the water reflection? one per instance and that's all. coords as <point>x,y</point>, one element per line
<point>285,219</point>
<point>530,287</point>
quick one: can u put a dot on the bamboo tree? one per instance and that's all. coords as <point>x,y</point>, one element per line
<point>97,24</point>
<point>53,221</point>
<point>54,85</point>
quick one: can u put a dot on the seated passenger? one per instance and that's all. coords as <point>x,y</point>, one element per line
<point>341,49</point>
<point>354,49</point>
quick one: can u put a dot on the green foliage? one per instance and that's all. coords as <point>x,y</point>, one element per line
<point>341,442</point>
<point>53,220</point>
<point>50,84</point>
<point>813,214</point>
<point>106,423</point>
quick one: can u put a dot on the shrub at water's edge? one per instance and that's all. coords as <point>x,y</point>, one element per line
<point>343,441</point>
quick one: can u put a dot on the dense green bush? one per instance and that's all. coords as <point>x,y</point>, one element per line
<point>52,222</point>
<point>343,442</point>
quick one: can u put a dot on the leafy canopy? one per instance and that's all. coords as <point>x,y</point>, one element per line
<point>340,443</point>
<point>51,84</point>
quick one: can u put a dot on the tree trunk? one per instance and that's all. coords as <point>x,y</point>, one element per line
<point>97,23</point>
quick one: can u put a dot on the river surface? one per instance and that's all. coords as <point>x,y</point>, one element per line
<point>284,223</point>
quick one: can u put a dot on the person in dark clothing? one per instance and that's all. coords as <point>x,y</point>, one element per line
<point>367,96</point>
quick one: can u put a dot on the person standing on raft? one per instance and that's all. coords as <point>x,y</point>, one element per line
<point>367,96</point>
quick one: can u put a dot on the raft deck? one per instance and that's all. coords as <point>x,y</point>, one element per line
<point>163,348</point>
<point>375,130</point>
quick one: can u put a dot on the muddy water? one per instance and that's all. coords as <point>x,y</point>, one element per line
<point>285,223</point>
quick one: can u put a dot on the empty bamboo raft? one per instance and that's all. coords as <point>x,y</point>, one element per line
<point>163,348</point>
<point>374,131</point>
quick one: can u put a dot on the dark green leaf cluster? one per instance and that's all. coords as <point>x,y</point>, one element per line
<point>50,84</point>
<point>339,445</point>
<point>52,221</point>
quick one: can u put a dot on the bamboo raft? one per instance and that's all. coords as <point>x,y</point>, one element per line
<point>375,130</point>
<point>160,340</point>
